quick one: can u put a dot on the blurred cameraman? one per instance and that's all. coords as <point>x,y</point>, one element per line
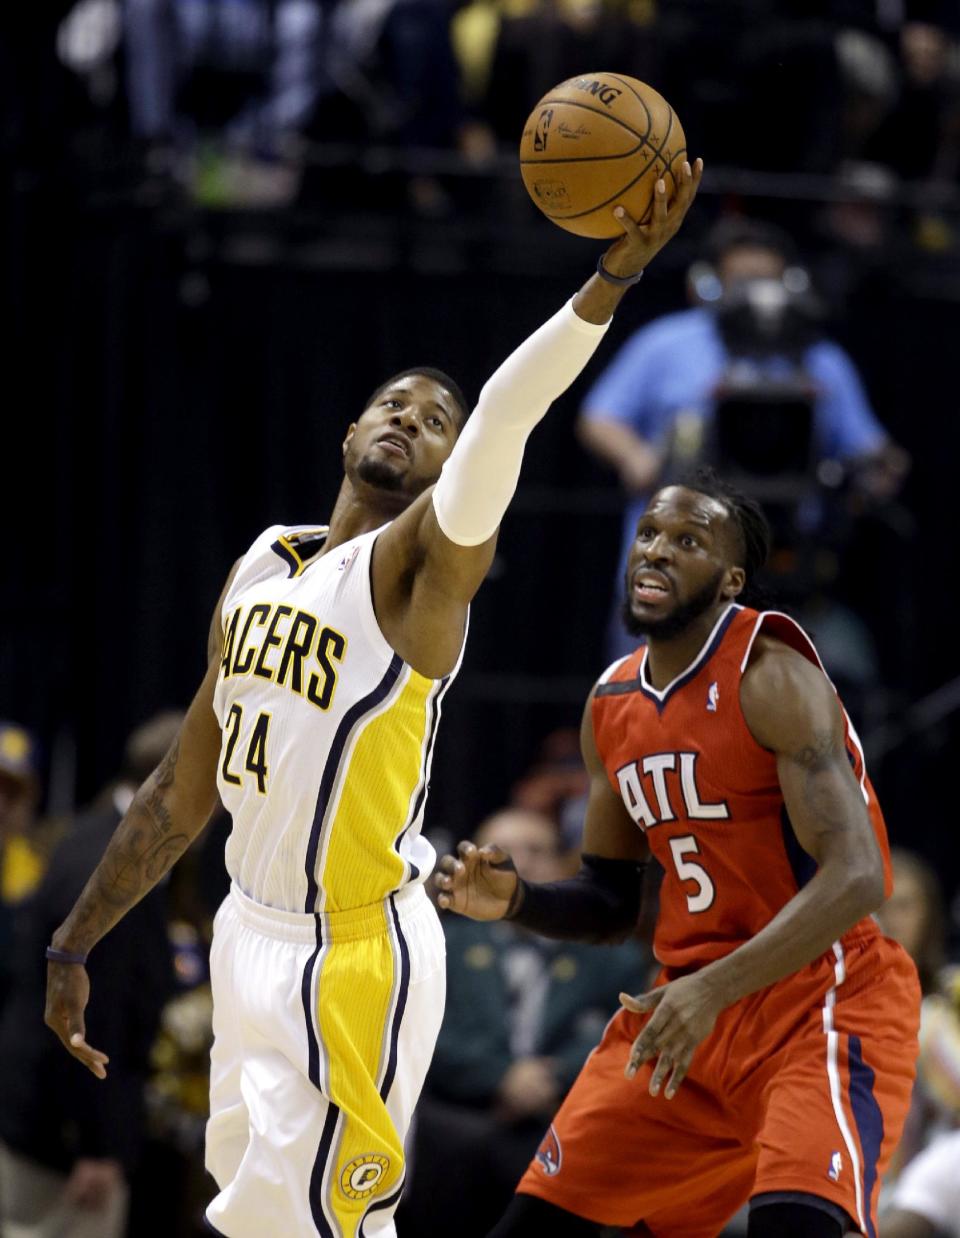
<point>744,381</point>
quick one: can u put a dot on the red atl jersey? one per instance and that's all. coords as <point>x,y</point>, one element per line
<point>706,794</point>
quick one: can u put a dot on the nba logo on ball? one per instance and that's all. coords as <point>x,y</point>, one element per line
<point>551,193</point>
<point>362,1175</point>
<point>549,1155</point>
<point>542,129</point>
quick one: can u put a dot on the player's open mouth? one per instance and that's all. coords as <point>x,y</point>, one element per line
<point>650,587</point>
<point>393,444</point>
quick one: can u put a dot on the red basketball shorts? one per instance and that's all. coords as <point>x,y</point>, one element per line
<point>802,1087</point>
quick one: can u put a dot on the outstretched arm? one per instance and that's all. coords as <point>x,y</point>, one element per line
<point>448,537</point>
<point>792,710</point>
<point>167,813</point>
<point>601,903</point>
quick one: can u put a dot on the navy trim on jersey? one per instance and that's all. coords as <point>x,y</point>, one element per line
<point>347,723</point>
<point>869,1119</point>
<point>313,1070</point>
<point>306,986</point>
<point>660,697</point>
<point>389,1201</point>
<point>390,1072</point>
<point>324,1227</point>
<point>422,789</point>
<point>285,551</point>
<point>803,864</point>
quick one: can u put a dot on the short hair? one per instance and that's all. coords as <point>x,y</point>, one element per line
<point>438,376</point>
<point>756,536</point>
<point>739,232</point>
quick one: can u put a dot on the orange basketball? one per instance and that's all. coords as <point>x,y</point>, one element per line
<point>596,142</point>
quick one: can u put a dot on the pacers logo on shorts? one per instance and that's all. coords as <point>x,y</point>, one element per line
<point>549,1154</point>
<point>362,1175</point>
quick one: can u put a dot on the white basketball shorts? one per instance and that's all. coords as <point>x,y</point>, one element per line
<point>324,1027</point>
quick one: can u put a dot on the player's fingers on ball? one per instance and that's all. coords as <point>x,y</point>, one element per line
<point>622,217</point>
<point>660,201</point>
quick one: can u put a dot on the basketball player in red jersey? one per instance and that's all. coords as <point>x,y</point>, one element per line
<point>789,1020</point>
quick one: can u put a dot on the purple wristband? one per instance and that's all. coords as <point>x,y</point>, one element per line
<point>64,956</point>
<point>622,281</point>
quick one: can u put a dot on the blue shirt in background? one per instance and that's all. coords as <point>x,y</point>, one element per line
<point>674,365</point>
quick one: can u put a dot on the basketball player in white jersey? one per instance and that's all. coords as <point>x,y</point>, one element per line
<point>330,651</point>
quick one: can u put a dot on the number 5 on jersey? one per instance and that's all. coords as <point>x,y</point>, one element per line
<point>256,757</point>
<point>688,870</point>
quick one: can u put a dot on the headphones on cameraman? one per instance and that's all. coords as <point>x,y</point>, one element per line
<point>707,288</point>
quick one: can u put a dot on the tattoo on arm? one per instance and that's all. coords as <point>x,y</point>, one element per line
<point>141,851</point>
<point>818,754</point>
<point>824,793</point>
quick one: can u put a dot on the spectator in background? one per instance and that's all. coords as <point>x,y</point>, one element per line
<point>225,92</point>
<point>20,865</point>
<point>926,1197</point>
<point>68,1140</point>
<point>650,415</point>
<point>920,137</point>
<point>914,915</point>
<point>522,1014</point>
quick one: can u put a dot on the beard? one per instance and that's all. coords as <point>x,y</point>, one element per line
<point>379,473</point>
<point>678,620</point>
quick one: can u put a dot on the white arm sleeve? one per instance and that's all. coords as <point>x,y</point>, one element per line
<point>480,476</point>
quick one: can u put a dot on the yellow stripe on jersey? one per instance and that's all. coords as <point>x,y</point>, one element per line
<point>378,789</point>
<point>356,999</point>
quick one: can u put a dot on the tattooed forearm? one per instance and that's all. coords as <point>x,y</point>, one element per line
<point>141,851</point>
<point>162,779</point>
<point>163,857</point>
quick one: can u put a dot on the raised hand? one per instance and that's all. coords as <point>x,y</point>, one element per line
<point>68,991</point>
<point>641,243</point>
<point>478,882</point>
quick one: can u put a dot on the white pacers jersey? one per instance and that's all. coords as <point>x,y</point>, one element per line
<point>327,733</point>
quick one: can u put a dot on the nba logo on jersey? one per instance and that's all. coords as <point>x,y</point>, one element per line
<point>346,560</point>
<point>713,697</point>
<point>836,1165</point>
<point>549,1154</point>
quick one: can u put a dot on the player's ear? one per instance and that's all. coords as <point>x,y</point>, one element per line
<point>351,431</point>
<point>735,580</point>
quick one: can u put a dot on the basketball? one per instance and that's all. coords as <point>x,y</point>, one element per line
<point>599,141</point>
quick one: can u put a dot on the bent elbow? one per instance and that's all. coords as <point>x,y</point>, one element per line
<point>868,888</point>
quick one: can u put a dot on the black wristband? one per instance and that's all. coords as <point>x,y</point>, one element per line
<point>601,903</point>
<point>621,281</point>
<point>516,898</point>
<point>64,956</point>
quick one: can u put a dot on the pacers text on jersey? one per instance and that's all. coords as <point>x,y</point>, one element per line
<point>286,646</point>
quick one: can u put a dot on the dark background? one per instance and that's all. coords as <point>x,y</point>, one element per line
<point>177,379</point>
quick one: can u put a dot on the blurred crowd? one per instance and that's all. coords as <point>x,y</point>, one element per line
<point>232,102</point>
<point>231,98</point>
<point>84,1159</point>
